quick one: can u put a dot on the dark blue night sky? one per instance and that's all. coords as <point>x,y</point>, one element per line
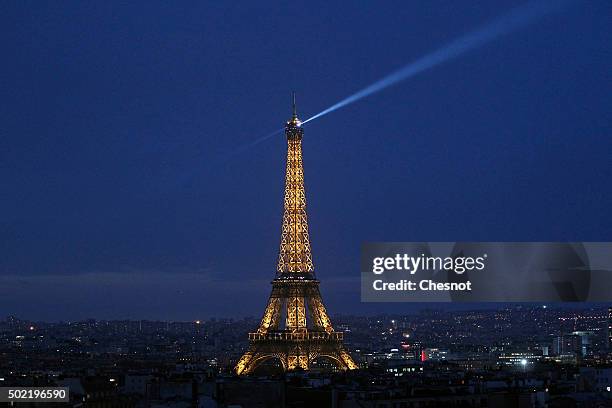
<point>118,202</point>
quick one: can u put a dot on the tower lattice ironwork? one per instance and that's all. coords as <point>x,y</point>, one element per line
<point>295,327</point>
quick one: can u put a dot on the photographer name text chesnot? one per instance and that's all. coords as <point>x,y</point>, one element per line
<point>424,285</point>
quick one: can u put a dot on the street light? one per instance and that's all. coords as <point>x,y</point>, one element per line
<point>524,364</point>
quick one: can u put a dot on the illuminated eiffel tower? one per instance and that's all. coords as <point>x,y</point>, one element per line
<point>307,332</point>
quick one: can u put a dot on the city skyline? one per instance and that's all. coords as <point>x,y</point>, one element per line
<point>542,355</point>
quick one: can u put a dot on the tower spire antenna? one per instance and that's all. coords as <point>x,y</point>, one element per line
<point>294,109</point>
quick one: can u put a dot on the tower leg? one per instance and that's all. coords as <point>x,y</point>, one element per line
<point>244,364</point>
<point>253,358</point>
<point>303,361</point>
<point>319,314</point>
<point>270,319</point>
<point>347,360</point>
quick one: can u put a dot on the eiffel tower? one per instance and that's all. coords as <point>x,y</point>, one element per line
<point>307,332</point>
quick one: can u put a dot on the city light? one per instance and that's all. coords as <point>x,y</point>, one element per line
<point>442,345</point>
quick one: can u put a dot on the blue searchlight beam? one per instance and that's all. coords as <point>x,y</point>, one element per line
<point>505,24</point>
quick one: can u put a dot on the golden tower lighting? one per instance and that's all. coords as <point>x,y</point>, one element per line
<point>295,327</point>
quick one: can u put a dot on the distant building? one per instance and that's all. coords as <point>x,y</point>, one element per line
<point>567,344</point>
<point>520,399</point>
<point>136,384</point>
<point>597,379</point>
<point>434,354</point>
<point>586,341</point>
<point>519,359</point>
<point>610,327</point>
<point>473,362</point>
<point>401,367</point>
